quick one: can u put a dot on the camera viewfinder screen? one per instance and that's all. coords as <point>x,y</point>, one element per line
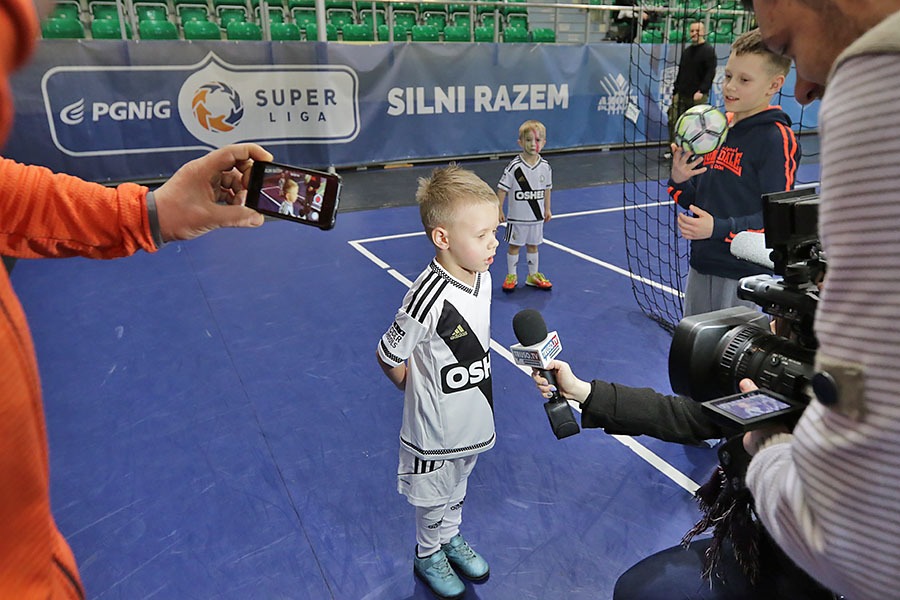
<point>752,406</point>
<point>297,194</point>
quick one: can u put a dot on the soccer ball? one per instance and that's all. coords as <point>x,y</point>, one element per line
<point>701,129</point>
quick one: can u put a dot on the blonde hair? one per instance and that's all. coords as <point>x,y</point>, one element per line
<point>751,42</point>
<point>532,124</point>
<point>446,191</point>
<point>290,190</point>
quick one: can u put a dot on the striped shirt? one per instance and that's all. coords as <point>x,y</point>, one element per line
<point>526,188</point>
<point>443,329</point>
<point>830,494</point>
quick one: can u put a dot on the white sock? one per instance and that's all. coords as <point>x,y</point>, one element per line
<point>512,261</point>
<point>428,529</point>
<point>532,258</point>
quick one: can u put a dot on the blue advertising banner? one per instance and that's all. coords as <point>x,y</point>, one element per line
<point>110,110</point>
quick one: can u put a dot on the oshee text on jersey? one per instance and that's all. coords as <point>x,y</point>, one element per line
<point>456,378</point>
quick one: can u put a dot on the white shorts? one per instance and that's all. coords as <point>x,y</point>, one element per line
<point>524,234</point>
<point>432,482</point>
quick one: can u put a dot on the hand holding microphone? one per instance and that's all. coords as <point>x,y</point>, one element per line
<point>536,349</point>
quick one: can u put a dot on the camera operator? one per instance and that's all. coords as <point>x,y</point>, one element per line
<point>676,572</point>
<point>829,493</point>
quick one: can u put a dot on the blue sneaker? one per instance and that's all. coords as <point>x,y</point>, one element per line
<point>435,571</point>
<point>466,561</point>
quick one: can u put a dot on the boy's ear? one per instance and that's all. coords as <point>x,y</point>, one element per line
<point>440,238</point>
<point>776,84</point>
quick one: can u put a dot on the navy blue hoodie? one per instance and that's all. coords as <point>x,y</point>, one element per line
<point>760,155</point>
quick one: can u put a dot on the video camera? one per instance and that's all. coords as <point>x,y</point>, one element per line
<point>712,352</point>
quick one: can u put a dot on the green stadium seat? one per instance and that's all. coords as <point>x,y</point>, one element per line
<point>462,19</point>
<point>517,20</point>
<point>340,6</point>
<point>484,34</point>
<point>366,18</point>
<point>229,15</point>
<point>340,19</point>
<point>301,4</point>
<point>676,36</point>
<point>157,30</point>
<point>518,7</point>
<point>285,32</point>
<point>425,33</point>
<point>243,30</point>
<point>151,11</point>
<point>108,29</point>
<point>543,35</point>
<point>312,32</point>
<point>354,32</point>
<point>484,7</point>
<point>66,10</point>
<point>433,14</point>
<point>457,33</point>
<point>303,17</point>
<point>276,14</point>
<point>434,19</point>
<point>515,35</point>
<point>62,28</point>
<point>197,29</point>
<point>104,10</point>
<point>192,12</point>
<point>406,19</point>
<point>406,7</point>
<point>401,33</point>
<point>651,36</point>
<point>457,8</point>
<point>486,20</point>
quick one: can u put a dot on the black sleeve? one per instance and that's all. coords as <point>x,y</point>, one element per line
<point>623,410</point>
<point>709,69</point>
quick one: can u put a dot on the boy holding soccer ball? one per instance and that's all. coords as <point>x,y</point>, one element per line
<point>723,189</point>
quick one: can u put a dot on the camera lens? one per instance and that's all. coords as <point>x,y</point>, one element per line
<point>772,362</point>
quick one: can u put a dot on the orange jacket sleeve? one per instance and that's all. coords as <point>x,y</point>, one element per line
<point>46,214</point>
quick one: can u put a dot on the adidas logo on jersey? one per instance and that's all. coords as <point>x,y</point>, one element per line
<point>458,333</point>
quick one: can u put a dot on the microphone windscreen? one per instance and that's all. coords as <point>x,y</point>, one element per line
<point>529,327</point>
<point>751,246</point>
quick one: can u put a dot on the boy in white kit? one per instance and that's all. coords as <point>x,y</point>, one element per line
<point>437,351</point>
<point>527,180</point>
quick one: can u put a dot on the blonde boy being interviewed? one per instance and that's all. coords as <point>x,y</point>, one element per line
<point>437,351</point>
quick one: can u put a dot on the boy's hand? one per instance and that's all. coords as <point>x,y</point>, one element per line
<point>547,215</point>
<point>682,168</point>
<point>698,227</point>
<point>502,217</point>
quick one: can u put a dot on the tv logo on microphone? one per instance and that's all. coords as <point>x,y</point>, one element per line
<point>537,355</point>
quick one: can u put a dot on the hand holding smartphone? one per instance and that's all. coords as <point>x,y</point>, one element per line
<point>295,194</point>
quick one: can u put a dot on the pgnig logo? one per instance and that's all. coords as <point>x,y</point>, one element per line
<point>217,107</point>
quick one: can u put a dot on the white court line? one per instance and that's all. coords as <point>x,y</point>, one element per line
<point>613,268</point>
<point>650,457</point>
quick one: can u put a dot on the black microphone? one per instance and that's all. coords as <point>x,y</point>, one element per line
<point>536,348</point>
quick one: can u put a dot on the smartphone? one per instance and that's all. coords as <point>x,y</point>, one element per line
<point>751,410</point>
<point>294,193</point>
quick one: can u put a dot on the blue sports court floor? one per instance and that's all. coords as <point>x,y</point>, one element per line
<point>219,427</point>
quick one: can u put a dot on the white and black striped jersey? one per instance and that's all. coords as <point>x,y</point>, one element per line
<point>525,187</point>
<point>442,330</point>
